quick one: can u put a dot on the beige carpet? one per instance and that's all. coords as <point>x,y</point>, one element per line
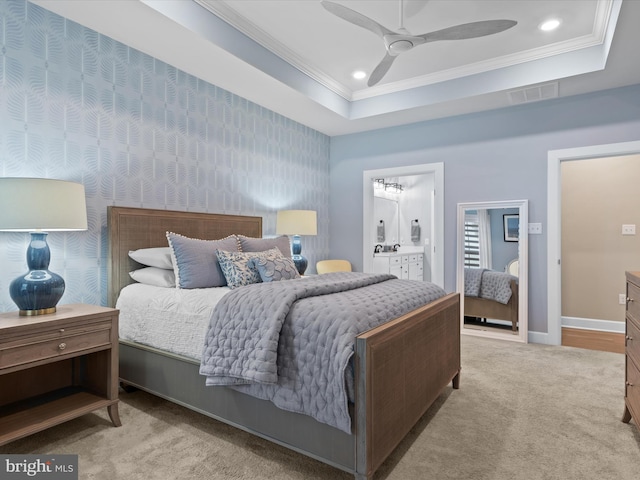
<point>522,412</point>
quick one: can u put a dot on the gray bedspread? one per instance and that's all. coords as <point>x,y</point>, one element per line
<point>489,284</point>
<point>291,341</point>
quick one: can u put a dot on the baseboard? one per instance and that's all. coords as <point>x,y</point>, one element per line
<point>593,324</point>
<point>593,339</point>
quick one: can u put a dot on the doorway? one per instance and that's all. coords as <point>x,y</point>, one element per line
<point>436,239</point>
<point>554,245</point>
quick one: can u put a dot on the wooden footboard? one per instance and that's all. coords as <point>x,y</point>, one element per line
<point>401,368</point>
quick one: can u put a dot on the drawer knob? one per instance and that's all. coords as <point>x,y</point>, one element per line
<point>62,346</point>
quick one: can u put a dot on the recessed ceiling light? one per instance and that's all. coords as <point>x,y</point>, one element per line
<point>549,25</point>
<point>359,74</point>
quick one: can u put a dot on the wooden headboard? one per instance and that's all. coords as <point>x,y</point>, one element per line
<point>134,228</point>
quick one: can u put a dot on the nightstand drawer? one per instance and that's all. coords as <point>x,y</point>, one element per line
<point>53,344</point>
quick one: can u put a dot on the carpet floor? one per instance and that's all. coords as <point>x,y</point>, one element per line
<point>530,412</point>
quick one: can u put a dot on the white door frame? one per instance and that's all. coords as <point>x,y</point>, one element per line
<point>437,233</point>
<point>554,242</point>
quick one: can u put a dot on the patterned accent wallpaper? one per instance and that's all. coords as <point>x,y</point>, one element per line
<point>77,105</point>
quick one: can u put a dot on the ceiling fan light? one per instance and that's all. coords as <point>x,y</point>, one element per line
<point>400,46</point>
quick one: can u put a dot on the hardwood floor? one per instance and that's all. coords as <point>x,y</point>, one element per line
<point>593,340</point>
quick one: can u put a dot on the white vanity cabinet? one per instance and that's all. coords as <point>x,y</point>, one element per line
<point>408,266</point>
<point>416,266</point>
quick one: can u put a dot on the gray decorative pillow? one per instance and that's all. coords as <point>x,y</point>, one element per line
<point>250,244</point>
<point>195,263</point>
<point>275,269</point>
<point>238,267</point>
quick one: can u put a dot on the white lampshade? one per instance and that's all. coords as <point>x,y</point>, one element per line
<point>30,204</point>
<point>297,222</point>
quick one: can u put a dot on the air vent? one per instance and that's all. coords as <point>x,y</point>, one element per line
<point>533,94</point>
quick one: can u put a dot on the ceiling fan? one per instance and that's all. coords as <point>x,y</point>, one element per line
<point>402,41</point>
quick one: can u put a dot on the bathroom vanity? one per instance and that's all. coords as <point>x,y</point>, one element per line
<point>408,265</point>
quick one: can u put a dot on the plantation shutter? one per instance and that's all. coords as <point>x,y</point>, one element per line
<point>471,241</point>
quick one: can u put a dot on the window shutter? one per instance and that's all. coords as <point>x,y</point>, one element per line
<point>471,242</point>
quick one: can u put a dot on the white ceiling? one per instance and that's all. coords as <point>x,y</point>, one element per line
<point>294,57</point>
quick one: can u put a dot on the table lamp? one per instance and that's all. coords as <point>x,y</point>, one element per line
<point>35,205</point>
<point>296,223</point>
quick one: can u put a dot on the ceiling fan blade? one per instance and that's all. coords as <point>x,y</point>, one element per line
<point>469,30</point>
<point>356,18</point>
<point>381,70</point>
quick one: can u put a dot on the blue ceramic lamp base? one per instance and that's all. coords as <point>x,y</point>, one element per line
<point>38,291</point>
<point>299,261</point>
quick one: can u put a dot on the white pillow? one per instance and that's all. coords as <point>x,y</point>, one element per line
<point>159,257</point>
<point>159,277</point>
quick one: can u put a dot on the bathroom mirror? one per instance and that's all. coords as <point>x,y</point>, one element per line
<point>386,215</point>
<point>492,266</point>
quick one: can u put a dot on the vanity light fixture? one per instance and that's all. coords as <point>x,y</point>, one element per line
<point>393,188</point>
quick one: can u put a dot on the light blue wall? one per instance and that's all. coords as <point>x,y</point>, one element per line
<point>501,252</point>
<point>496,155</point>
<point>76,105</point>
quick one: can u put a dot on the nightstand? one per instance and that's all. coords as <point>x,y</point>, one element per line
<point>57,367</point>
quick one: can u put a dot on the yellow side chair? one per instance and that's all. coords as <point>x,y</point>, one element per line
<point>328,266</point>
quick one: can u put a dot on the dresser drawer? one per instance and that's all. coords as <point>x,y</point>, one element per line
<point>632,341</point>
<point>632,390</point>
<point>53,343</point>
<point>633,301</point>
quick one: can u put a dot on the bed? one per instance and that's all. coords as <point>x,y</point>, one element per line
<point>488,308</point>
<point>423,344</point>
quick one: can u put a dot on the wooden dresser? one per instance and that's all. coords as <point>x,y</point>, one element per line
<point>632,350</point>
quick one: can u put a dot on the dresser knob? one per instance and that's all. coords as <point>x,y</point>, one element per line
<point>62,330</point>
<point>62,346</point>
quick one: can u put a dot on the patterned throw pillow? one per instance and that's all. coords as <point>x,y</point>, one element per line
<point>275,269</point>
<point>237,267</point>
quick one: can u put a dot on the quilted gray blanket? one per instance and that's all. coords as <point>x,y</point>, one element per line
<point>489,284</point>
<point>291,342</point>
